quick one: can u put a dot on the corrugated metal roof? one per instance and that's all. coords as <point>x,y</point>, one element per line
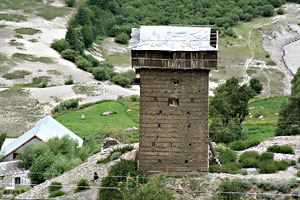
<point>7,141</point>
<point>171,38</point>
<point>45,129</point>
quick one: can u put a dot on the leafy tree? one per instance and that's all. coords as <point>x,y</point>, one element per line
<point>267,10</point>
<point>229,107</point>
<point>122,38</point>
<point>60,45</point>
<point>121,80</point>
<point>103,73</point>
<point>289,115</point>
<point>70,54</point>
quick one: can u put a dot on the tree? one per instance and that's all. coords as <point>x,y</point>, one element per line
<point>267,10</point>
<point>229,107</point>
<point>289,115</point>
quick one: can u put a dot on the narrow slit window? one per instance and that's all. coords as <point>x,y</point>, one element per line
<point>186,161</point>
<point>158,125</point>
<point>153,144</point>
<point>159,160</point>
<point>171,144</point>
<point>160,112</point>
<point>173,102</point>
<point>189,126</point>
<point>192,100</point>
<point>190,144</point>
<point>188,113</point>
<point>175,81</point>
<point>155,99</point>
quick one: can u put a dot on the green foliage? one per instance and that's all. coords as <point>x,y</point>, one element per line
<point>92,60</point>
<point>66,105</point>
<point>130,74</point>
<point>234,186</point>
<point>228,108</point>
<point>111,155</point>
<point>12,17</point>
<point>2,138</point>
<point>18,74</point>
<point>60,45</point>
<point>122,168</point>
<point>271,62</point>
<point>70,54</point>
<point>286,149</point>
<point>56,193</point>
<point>82,184</point>
<point>226,155</point>
<point>266,156</point>
<point>27,31</point>
<point>280,11</point>
<point>115,156</point>
<point>20,190</point>
<point>288,122</point>
<point>231,168</point>
<point>69,82</point>
<point>242,145</point>
<point>267,167</point>
<point>70,3</point>
<point>134,98</point>
<point>82,63</point>
<point>103,73</point>
<point>121,80</point>
<point>249,159</point>
<point>54,186</point>
<point>122,38</point>
<point>32,58</point>
<point>153,189</point>
<point>267,10</point>
<point>51,12</point>
<point>267,185</point>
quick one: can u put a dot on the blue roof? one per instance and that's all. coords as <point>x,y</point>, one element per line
<point>45,129</point>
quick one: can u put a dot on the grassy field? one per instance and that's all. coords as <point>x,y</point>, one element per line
<point>95,122</point>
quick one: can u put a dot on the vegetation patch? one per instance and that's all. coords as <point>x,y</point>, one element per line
<point>27,31</point>
<point>12,17</point>
<point>66,105</point>
<point>51,12</point>
<point>20,190</point>
<point>243,144</point>
<point>32,58</point>
<point>2,26</point>
<point>115,154</point>
<point>82,184</point>
<point>18,74</point>
<point>14,42</point>
<point>285,149</point>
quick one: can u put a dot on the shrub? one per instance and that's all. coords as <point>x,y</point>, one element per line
<point>121,80</point>
<point>66,105</point>
<point>234,186</point>
<point>134,98</point>
<point>92,60</point>
<point>121,150</point>
<point>231,168</point>
<point>267,185</point>
<point>280,11</point>
<point>267,167</point>
<point>82,184</point>
<point>20,190</point>
<point>56,193</point>
<point>242,145</point>
<point>103,73</point>
<point>226,155</point>
<point>282,165</point>
<point>82,63</point>
<point>130,74</point>
<point>60,45</point>
<point>249,154</point>
<point>293,162</point>
<point>122,38</point>
<point>115,155</point>
<point>272,63</point>
<point>70,3</point>
<point>55,186</point>
<point>285,149</point>
<point>16,74</point>
<point>121,169</point>
<point>70,54</point>
<point>266,156</point>
<point>69,82</point>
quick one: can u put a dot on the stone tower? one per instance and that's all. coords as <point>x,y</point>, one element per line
<point>172,64</point>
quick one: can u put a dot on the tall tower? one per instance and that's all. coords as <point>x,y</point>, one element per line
<point>173,63</point>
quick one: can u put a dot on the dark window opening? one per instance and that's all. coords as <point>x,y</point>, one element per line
<point>15,155</point>
<point>189,126</point>
<point>186,161</point>
<point>159,161</point>
<point>175,82</point>
<point>158,125</point>
<point>173,102</point>
<point>192,100</point>
<point>171,144</point>
<point>188,113</point>
<point>160,112</point>
<point>17,180</point>
<point>153,144</point>
<point>155,99</point>
<point>190,144</point>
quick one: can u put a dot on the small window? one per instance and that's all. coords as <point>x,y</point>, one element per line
<point>189,126</point>
<point>190,144</point>
<point>186,161</point>
<point>155,99</point>
<point>153,144</point>
<point>171,144</point>
<point>175,81</point>
<point>15,155</point>
<point>159,160</point>
<point>188,113</point>
<point>173,102</point>
<point>158,125</point>
<point>192,100</point>
<point>17,181</point>
<point>160,112</point>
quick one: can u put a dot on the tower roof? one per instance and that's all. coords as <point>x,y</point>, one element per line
<point>171,38</point>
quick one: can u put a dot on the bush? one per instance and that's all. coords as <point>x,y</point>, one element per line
<point>20,190</point>
<point>293,162</point>
<point>82,63</point>
<point>272,63</point>
<point>226,155</point>
<point>82,184</point>
<point>55,186</point>
<point>266,156</point>
<point>249,159</point>
<point>298,174</point>
<point>18,74</point>
<point>231,168</point>
<point>267,185</point>
<point>70,3</point>
<point>66,105</point>
<point>134,98</point>
<point>234,186</point>
<point>122,38</point>
<point>92,60</point>
<point>285,149</point>
<point>69,82</point>
<point>70,54</point>
<point>121,80</point>
<point>130,74</point>
<point>56,193</point>
<point>115,155</point>
<point>121,150</point>
<point>280,11</point>
<point>282,165</point>
<point>60,45</point>
<point>267,167</point>
<point>103,73</point>
<point>242,145</point>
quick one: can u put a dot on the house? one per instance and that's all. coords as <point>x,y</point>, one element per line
<point>45,129</point>
<point>173,63</point>
<point>12,176</point>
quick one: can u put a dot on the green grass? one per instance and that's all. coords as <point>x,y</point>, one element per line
<point>18,4</point>
<point>27,31</point>
<point>12,17</point>
<point>37,82</point>
<point>94,122</point>
<point>51,12</point>
<point>16,74</point>
<point>119,59</point>
<point>13,42</point>
<point>32,58</point>
<point>3,26</point>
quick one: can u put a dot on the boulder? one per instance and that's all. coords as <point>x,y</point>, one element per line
<point>108,142</point>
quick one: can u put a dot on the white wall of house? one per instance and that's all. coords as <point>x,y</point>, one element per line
<point>10,156</point>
